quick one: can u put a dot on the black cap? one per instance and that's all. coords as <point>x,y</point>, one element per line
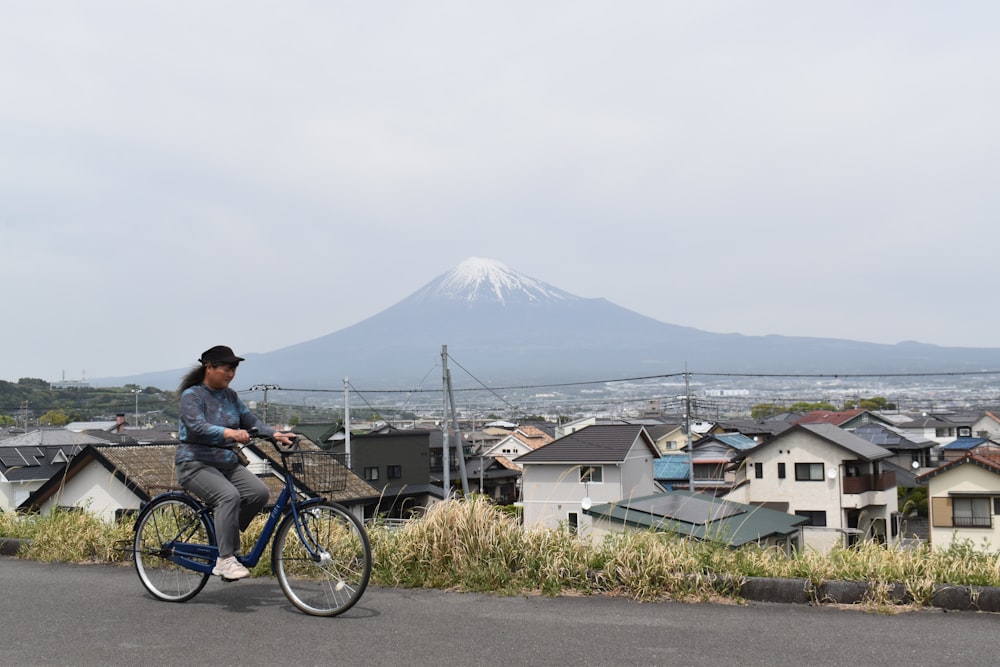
<point>220,354</point>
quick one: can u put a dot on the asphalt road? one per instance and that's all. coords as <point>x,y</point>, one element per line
<point>54,614</point>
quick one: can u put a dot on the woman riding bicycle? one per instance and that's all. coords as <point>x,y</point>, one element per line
<point>213,423</point>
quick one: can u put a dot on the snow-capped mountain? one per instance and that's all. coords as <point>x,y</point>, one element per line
<point>485,280</point>
<point>506,328</point>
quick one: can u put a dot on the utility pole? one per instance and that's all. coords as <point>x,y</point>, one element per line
<point>687,428</point>
<point>347,422</point>
<point>459,450</point>
<point>265,387</point>
<point>445,472</point>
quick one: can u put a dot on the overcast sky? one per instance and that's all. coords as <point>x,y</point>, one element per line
<point>177,175</point>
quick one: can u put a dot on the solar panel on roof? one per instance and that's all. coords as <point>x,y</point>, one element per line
<point>12,458</point>
<point>689,509</point>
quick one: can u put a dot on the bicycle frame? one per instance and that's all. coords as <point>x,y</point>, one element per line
<point>202,557</point>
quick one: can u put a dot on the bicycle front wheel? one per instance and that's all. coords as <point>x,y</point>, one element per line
<point>163,525</point>
<point>323,561</point>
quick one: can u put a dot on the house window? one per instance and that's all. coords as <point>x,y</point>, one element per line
<point>758,470</point>
<point>592,474</point>
<point>709,471</point>
<point>816,518</point>
<point>394,472</point>
<point>371,473</point>
<point>809,472</point>
<point>573,522</point>
<point>971,513</point>
<point>781,471</point>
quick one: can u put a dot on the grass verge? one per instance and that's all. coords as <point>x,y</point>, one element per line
<point>472,545</point>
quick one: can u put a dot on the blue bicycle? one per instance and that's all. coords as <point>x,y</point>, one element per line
<point>320,552</point>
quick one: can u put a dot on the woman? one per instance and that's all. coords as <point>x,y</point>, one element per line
<point>214,421</point>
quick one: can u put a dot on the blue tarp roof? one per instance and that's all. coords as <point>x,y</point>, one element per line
<point>670,467</point>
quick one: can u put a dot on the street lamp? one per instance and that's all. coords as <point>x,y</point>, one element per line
<point>137,392</point>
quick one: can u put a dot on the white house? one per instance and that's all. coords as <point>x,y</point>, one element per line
<point>827,474</point>
<point>522,440</point>
<point>601,463</point>
<point>964,501</point>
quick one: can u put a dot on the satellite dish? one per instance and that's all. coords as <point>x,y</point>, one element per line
<point>586,503</point>
<point>915,464</point>
<point>831,473</point>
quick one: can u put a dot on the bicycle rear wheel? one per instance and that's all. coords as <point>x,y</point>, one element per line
<point>164,523</point>
<point>329,575</point>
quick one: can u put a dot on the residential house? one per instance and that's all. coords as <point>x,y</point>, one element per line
<point>713,458</point>
<point>828,475</point>
<point>959,447</point>
<point>845,419</point>
<point>699,516</point>
<point>562,430</point>
<point>28,460</point>
<point>498,475</point>
<point>987,426</point>
<point>113,481</point>
<point>669,438</point>
<point>942,429</point>
<point>397,463</point>
<point>964,501</point>
<point>757,429</point>
<point>911,452</point>
<point>601,463</point>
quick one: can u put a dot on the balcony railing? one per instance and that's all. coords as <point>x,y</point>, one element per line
<point>972,521</point>
<point>863,483</point>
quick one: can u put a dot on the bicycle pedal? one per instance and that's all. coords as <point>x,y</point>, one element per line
<point>227,580</point>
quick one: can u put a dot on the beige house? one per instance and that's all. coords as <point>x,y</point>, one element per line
<point>828,475</point>
<point>602,463</point>
<point>964,501</point>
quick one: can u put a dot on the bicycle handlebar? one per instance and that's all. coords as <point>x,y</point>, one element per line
<point>255,433</point>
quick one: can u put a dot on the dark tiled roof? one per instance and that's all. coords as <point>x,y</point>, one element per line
<point>892,437</point>
<point>600,443</point>
<point>31,464</point>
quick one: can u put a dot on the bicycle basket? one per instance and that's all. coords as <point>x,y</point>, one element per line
<point>317,471</point>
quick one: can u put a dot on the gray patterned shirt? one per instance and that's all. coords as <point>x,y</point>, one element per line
<point>205,415</point>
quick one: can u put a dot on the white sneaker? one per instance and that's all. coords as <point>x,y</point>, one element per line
<point>230,568</point>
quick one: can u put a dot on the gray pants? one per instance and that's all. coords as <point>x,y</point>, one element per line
<point>235,494</point>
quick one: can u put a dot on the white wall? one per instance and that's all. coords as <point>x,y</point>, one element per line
<point>824,495</point>
<point>95,489</point>
<point>969,480</point>
<point>550,492</point>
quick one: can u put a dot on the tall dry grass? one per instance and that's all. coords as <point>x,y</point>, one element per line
<point>472,545</point>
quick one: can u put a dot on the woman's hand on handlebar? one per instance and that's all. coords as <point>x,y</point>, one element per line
<point>237,434</point>
<point>287,439</point>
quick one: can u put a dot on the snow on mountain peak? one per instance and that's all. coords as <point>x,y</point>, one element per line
<point>478,278</point>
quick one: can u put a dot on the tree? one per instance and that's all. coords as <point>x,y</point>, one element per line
<point>873,403</point>
<point>803,406</point>
<point>54,418</point>
<point>765,410</point>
